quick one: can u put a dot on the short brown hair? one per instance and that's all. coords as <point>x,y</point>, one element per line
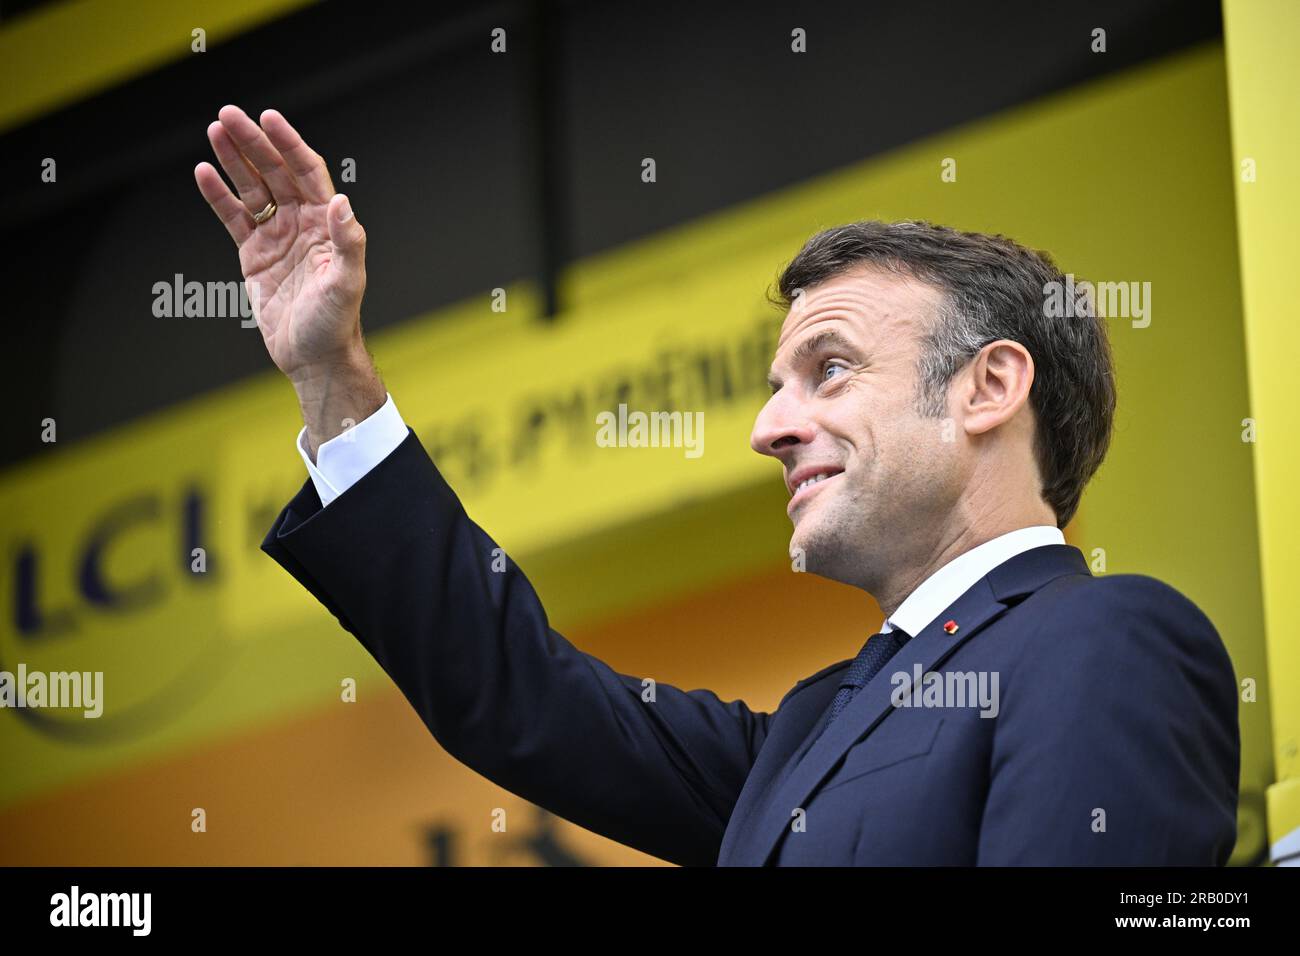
<point>993,288</point>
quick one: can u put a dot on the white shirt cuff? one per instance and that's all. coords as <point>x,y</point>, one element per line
<point>343,460</point>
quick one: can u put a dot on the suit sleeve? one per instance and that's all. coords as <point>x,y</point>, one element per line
<point>1117,741</point>
<point>396,559</point>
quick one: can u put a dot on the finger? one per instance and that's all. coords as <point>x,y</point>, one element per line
<point>266,159</point>
<point>306,164</point>
<point>232,213</point>
<point>349,242</point>
<point>247,182</point>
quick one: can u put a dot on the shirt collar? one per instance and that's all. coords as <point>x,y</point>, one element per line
<point>955,578</point>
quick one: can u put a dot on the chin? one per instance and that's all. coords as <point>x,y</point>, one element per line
<point>830,545</point>
<point>818,540</point>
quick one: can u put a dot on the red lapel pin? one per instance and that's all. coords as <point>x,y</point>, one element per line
<point>950,627</point>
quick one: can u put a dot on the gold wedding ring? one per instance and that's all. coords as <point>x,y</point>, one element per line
<point>266,213</point>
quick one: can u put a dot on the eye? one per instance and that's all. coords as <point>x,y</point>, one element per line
<point>830,366</point>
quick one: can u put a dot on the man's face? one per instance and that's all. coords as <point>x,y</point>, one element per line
<point>844,396</point>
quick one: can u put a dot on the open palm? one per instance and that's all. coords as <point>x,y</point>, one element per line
<point>304,266</point>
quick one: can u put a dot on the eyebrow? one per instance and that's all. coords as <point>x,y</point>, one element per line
<point>824,341</point>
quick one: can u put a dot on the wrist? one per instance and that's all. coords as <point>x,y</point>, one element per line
<point>335,395</point>
<point>352,361</point>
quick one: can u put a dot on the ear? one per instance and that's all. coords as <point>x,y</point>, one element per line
<point>996,386</point>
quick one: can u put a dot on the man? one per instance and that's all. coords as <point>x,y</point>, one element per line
<point>936,426</point>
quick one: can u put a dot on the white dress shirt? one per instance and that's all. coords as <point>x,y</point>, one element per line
<point>344,459</point>
<point>955,578</point>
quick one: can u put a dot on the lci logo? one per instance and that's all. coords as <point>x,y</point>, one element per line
<point>138,601</point>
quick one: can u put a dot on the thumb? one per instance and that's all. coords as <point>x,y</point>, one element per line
<point>349,241</point>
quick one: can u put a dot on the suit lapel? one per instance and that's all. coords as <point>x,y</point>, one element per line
<point>799,713</point>
<point>752,838</point>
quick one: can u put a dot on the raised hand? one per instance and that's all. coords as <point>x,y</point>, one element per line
<point>305,265</point>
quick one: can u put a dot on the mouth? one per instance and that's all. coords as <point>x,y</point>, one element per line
<point>807,482</point>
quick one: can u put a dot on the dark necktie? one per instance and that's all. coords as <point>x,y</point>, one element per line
<point>878,649</point>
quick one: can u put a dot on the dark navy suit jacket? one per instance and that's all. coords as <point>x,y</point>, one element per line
<point>1115,741</point>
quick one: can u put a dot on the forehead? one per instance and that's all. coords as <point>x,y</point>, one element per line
<point>870,305</point>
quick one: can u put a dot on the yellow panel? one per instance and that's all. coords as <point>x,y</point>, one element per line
<point>65,51</point>
<point>1264,84</point>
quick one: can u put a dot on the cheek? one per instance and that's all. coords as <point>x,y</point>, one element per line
<point>880,429</point>
<point>903,445</point>
<point>858,422</point>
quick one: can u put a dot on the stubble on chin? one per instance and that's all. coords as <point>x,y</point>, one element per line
<point>841,543</point>
<point>822,540</point>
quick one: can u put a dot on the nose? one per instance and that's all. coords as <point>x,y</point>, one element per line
<point>781,424</point>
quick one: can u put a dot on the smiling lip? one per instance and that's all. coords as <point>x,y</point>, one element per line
<point>802,494</point>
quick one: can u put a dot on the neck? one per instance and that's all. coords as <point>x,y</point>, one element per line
<point>952,542</point>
